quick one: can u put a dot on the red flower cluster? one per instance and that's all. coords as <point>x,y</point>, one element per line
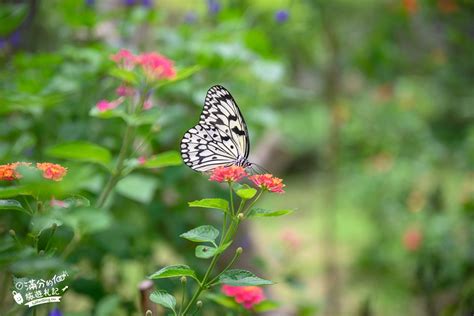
<point>268,182</point>
<point>154,65</point>
<point>236,173</point>
<point>51,171</point>
<point>247,296</point>
<point>228,174</point>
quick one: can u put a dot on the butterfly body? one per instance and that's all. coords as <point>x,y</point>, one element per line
<point>221,136</point>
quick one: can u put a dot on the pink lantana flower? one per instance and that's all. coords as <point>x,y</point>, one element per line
<point>268,182</point>
<point>156,66</point>
<point>104,105</point>
<point>228,174</point>
<point>58,203</point>
<point>142,160</point>
<point>247,296</point>
<point>125,59</point>
<point>147,104</point>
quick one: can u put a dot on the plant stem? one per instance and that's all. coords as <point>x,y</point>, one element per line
<point>231,199</point>
<point>236,256</point>
<point>117,174</point>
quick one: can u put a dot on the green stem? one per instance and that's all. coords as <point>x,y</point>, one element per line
<point>253,203</point>
<point>117,174</point>
<point>236,256</point>
<point>28,205</point>
<point>231,198</point>
<point>183,297</point>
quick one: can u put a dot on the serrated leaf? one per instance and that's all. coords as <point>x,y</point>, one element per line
<point>260,212</point>
<point>164,299</point>
<point>238,277</point>
<point>173,271</point>
<point>13,205</point>
<point>80,151</point>
<point>166,159</point>
<point>215,203</point>
<point>245,192</point>
<point>205,233</point>
<point>205,252</point>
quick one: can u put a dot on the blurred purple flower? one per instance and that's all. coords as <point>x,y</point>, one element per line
<point>213,6</point>
<point>90,3</point>
<point>55,312</point>
<point>190,17</point>
<point>128,2</point>
<point>281,16</point>
<point>15,39</point>
<point>3,43</point>
<point>147,3</point>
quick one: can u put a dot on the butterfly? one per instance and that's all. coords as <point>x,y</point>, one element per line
<point>220,138</point>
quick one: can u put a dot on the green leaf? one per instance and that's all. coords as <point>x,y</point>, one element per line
<point>138,187</point>
<point>214,203</point>
<point>12,205</point>
<point>164,299</point>
<point>205,233</point>
<point>237,277</point>
<point>166,159</point>
<point>88,220</point>
<point>80,151</point>
<point>124,75</point>
<point>260,212</point>
<point>223,300</point>
<point>265,306</point>
<point>173,271</point>
<point>245,192</point>
<point>14,191</point>
<point>205,252</point>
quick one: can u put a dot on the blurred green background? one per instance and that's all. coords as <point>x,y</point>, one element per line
<point>364,108</point>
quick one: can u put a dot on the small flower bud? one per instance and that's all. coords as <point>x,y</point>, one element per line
<point>199,304</point>
<point>183,280</point>
<point>148,313</point>
<point>12,233</point>
<point>240,216</point>
<point>41,252</point>
<point>239,250</point>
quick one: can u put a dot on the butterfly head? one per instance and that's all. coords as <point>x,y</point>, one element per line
<point>242,162</point>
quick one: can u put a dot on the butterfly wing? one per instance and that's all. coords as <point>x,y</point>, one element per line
<point>221,136</point>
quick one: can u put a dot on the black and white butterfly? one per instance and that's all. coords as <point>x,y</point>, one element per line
<point>220,138</point>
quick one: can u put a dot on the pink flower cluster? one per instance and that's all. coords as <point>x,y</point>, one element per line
<point>412,239</point>
<point>247,296</point>
<point>236,173</point>
<point>154,65</point>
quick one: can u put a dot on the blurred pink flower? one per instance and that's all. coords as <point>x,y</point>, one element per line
<point>228,174</point>
<point>104,105</point>
<point>268,182</point>
<point>412,239</point>
<point>141,160</point>
<point>125,91</point>
<point>147,104</point>
<point>125,59</point>
<point>58,203</point>
<point>156,66</point>
<point>291,239</point>
<point>247,296</point>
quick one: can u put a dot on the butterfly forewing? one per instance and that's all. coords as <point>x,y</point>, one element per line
<point>221,136</point>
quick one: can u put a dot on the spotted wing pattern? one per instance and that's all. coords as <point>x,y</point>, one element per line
<point>220,138</point>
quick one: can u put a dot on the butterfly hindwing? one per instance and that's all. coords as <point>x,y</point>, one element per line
<point>220,138</point>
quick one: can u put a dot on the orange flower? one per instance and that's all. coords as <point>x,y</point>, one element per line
<point>268,182</point>
<point>247,296</point>
<point>228,174</point>
<point>410,6</point>
<point>52,171</point>
<point>7,172</point>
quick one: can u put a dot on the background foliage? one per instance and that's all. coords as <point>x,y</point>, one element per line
<point>367,107</point>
